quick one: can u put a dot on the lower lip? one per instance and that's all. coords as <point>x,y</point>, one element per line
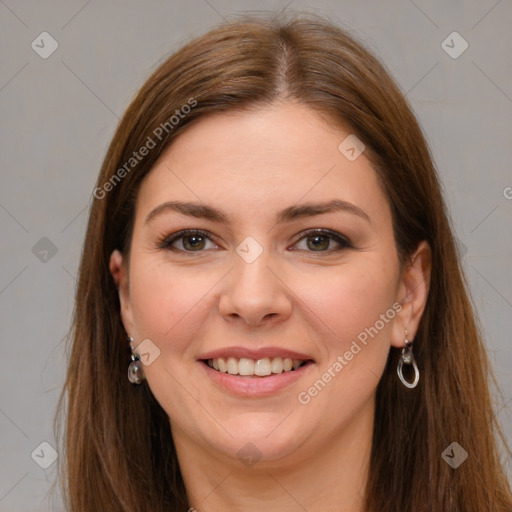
<point>255,386</point>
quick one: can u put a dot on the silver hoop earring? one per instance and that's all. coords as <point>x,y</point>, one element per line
<point>407,357</point>
<point>135,370</point>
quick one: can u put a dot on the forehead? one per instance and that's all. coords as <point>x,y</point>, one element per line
<point>261,160</point>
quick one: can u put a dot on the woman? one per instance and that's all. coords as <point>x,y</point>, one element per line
<point>268,256</point>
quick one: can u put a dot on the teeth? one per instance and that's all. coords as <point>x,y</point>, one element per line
<point>262,367</point>
<point>246,366</point>
<point>276,365</point>
<point>232,366</point>
<point>249,367</point>
<point>222,365</point>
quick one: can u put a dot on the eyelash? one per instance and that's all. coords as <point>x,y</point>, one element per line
<point>166,242</point>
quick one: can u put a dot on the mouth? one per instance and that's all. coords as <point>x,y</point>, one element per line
<point>255,368</point>
<point>255,373</point>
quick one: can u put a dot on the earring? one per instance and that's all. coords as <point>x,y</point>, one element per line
<point>135,370</point>
<point>407,357</point>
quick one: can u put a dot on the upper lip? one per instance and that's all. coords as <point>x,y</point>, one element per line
<point>251,353</point>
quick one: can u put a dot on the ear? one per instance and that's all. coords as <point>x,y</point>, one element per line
<point>412,294</point>
<point>118,269</point>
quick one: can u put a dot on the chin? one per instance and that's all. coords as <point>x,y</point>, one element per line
<point>265,443</point>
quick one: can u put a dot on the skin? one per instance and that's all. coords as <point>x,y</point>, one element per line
<point>251,165</point>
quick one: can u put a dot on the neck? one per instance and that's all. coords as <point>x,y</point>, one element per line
<point>326,473</point>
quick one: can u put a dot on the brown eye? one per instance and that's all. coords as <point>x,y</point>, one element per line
<point>318,242</point>
<point>193,242</point>
<point>322,240</point>
<point>186,241</point>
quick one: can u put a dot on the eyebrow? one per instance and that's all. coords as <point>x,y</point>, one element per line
<point>289,214</point>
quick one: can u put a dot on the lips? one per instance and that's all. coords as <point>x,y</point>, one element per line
<point>255,354</point>
<point>254,367</point>
<point>255,363</point>
<point>255,372</point>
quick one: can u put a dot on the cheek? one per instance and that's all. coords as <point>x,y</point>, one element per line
<point>349,300</point>
<point>165,300</point>
<point>170,306</point>
<point>356,305</point>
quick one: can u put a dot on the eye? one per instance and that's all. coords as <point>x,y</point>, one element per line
<point>316,240</point>
<point>187,241</point>
<point>320,240</point>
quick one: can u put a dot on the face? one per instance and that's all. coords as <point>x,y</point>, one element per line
<point>242,276</point>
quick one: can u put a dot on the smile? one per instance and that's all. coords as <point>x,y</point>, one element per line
<point>245,367</point>
<point>255,372</point>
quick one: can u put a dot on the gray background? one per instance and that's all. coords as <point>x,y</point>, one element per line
<point>58,115</point>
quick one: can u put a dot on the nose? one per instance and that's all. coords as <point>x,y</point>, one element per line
<point>255,293</point>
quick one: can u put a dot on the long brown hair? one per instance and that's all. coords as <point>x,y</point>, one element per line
<point>118,449</point>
